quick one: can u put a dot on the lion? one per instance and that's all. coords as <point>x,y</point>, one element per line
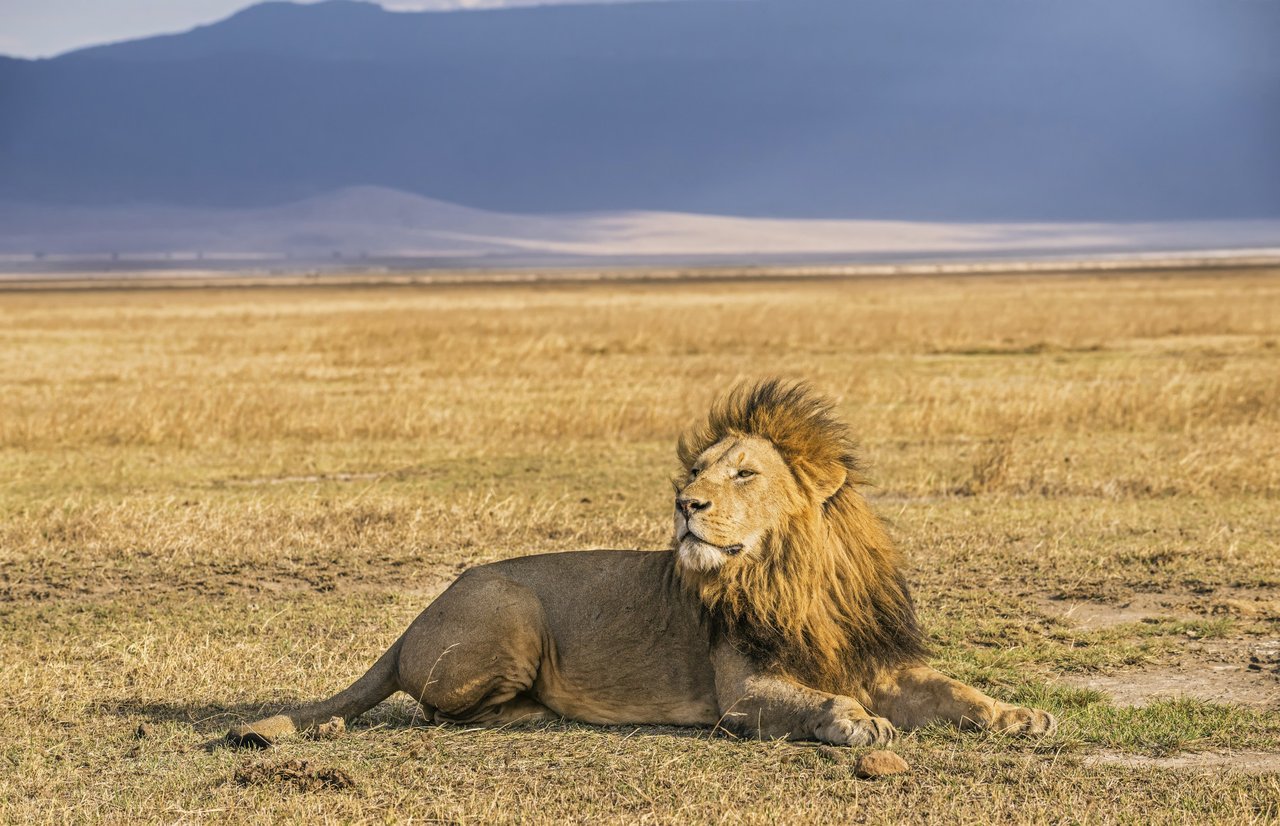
<point>780,610</point>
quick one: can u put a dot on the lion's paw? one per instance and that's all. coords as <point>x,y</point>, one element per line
<point>870,731</point>
<point>1024,722</point>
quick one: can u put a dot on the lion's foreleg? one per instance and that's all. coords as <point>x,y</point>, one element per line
<point>758,703</point>
<point>919,695</point>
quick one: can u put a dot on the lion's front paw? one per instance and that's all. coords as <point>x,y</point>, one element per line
<point>870,731</point>
<point>1025,722</point>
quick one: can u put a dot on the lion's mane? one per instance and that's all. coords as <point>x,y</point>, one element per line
<point>826,600</point>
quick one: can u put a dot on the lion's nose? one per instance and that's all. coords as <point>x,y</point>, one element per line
<point>688,505</point>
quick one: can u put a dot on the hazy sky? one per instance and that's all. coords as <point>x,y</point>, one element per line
<point>41,28</point>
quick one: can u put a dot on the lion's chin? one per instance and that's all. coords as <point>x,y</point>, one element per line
<point>695,555</point>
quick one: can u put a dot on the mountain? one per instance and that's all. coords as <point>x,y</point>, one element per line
<point>369,222</point>
<point>917,110</point>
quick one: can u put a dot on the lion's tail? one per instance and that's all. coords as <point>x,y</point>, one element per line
<point>378,683</point>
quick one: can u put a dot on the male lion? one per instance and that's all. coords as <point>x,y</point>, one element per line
<point>779,612</point>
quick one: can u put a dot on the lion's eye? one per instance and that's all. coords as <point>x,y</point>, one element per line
<point>743,473</point>
<point>693,473</point>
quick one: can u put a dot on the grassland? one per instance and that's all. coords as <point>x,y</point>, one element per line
<point>215,503</point>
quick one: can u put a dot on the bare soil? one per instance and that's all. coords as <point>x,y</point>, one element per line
<point>1091,616</point>
<point>1244,762</point>
<point>1233,670</point>
<point>1225,684</point>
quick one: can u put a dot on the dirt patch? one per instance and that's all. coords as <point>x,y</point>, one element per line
<point>1092,616</point>
<point>1265,656</point>
<point>1226,684</point>
<point>1246,762</point>
<point>1236,670</point>
<point>314,477</point>
<point>299,775</point>
<point>400,473</point>
<point>1232,670</point>
<point>1248,605</point>
<point>36,582</point>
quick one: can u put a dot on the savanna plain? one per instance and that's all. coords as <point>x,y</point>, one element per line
<point>215,503</point>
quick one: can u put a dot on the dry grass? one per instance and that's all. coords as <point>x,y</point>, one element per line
<point>221,501</point>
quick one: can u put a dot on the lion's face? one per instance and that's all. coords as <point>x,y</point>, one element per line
<point>738,491</point>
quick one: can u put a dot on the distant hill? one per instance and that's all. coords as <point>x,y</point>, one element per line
<point>920,110</point>
<point>368,222</point>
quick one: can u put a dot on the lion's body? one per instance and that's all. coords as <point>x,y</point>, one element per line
<point>781,611</point>
<point>617,642</point>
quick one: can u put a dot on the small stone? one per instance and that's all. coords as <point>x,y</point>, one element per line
<point>332,729</point>
<point>879,764</point>
<point>143,731</point>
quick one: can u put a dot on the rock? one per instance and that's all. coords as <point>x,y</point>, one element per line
<point>875,764</point>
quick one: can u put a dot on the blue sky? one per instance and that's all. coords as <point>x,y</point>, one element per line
<point>42,28</point>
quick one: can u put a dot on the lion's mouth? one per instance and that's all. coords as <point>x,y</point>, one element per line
<point>727,550</point>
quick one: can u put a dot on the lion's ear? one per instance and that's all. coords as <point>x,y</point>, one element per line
<point>828,480</point>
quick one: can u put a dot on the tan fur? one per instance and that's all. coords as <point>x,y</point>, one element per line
<point>780,611</point>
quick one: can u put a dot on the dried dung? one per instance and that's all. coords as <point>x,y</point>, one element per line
<point>297,774</point>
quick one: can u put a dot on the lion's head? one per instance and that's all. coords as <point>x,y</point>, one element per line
<point>778,544</point>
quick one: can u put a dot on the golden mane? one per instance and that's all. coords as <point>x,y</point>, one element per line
<point>825,600</point>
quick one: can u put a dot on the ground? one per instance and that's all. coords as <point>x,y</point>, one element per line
<point>216,503</point>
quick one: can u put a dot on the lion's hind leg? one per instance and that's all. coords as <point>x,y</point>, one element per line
<point>470,657</point>
<point>378,683</point>
<point>917,696</point>
<point>520,710</point>
<point>474,654</point>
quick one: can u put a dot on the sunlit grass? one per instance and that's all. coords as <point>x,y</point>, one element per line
<point>216,503</point>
